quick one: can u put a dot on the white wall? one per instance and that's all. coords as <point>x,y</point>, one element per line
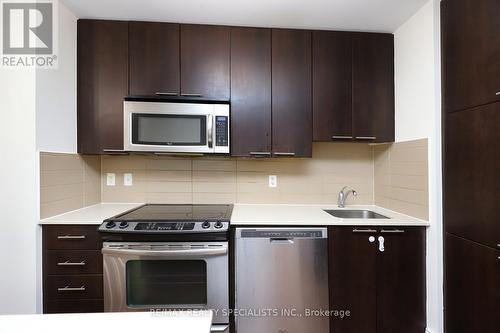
<point>56,92</point>
<point>18,193</point>
<point>418,115</point>
<point>38,112</point>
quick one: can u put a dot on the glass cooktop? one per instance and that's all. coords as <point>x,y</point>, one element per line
<point>161,212</point>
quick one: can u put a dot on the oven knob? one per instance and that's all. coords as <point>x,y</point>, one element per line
<point>110,225</point>
<point>123,225</point>
<point>205,225</point>
<point>218,224</point>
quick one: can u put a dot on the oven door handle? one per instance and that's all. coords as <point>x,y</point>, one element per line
<point>166,253</point>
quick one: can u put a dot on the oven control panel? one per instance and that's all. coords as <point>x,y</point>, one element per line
<point>163,227</point>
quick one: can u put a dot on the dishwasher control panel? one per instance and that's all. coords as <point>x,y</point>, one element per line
<point>283,233</point>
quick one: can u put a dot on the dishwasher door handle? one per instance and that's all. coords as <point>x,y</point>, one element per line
<point>281,240</point>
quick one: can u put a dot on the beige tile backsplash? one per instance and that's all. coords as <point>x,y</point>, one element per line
<point>159,179</point>
<point>68,182</point>
<point>401,177</point>
<point>393,176</point>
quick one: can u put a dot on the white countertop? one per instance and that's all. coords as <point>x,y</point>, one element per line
<point>94,214</point>
<point>252,214</point>
<point>123,322</point>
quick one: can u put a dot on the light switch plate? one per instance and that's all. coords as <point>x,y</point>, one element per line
<point>273,181</point>
<point>110,179</point>
<point>128,179</point>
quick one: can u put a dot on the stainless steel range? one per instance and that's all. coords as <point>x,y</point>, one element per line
<point>168,257</point>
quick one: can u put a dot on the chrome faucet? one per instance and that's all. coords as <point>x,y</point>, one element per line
<point>343,196</point>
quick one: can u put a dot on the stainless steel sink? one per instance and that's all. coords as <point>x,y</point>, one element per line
<point>355,214</point>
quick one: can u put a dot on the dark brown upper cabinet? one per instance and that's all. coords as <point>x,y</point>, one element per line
<point>373,87</point>
<point>102,83</point>
<point>154,58</point>
<point>471,184</point>
<point>353,86</point>
<point>383,288</point>
<point>205,61</point>
<point>470,53</point>
<point>291,93</point>
<point>251,92</point>
<point>332,83</point>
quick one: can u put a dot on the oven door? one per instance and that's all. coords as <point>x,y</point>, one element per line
<point>144,276</point>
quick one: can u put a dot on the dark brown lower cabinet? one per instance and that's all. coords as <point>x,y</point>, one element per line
<point>472,286</point>
<point>72,269</point>
<point>384,291</point>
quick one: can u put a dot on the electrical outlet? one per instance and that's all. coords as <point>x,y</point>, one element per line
<point>273,181</point>
<point>128,179</point>
<point>110,179</point>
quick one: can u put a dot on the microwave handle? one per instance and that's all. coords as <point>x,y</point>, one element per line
<point>210,131</point>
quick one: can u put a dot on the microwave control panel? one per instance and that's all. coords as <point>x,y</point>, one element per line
<point>222,131</point>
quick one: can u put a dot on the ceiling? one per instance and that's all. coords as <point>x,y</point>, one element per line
<point>361,15</point>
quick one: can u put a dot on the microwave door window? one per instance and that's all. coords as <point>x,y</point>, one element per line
<point>169,130</point>
<point>166,283</point>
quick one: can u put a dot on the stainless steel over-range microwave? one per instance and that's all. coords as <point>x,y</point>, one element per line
<point>173,127</point>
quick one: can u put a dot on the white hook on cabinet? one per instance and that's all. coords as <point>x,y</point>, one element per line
<point>381,246</point>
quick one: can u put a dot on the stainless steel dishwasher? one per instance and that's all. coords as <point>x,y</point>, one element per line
<point>281,280</point>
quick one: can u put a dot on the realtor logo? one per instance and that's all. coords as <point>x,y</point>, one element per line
<point>28,31</point>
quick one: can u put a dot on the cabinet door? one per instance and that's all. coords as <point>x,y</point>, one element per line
<point>205,53</point>
<point>332,81</point>
<point>250,92</point>
<point>471,166</point>
<point>352,279</point>
<point>373,87</point>
<point>291,93</point>
<point>154,58</point>
<point>401,291</point>
<point>472,294</point>
<point>453,54</point>
<point>471,49</point>
<point>102,83</point>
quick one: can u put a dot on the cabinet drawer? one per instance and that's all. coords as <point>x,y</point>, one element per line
<point>66,237</point>
<point>73,262</point>
<point>74,306</point>
<point>74,287</point>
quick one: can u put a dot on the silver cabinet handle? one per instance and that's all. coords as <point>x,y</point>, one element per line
<point>68,288</point>
<point>365,231</point>
<point>219,328</point>
<point>71,237</point>
<point>210,130</point>
<point>260,153</point>
<point>498,93</point>
<point>192,95</point>
<point>395,231</point>
<point>284,154</point>
<point>341,137</point>
<point>366,137</point>
<point>498,245</point>
<point>166,94</point>
<point>67,263</point>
